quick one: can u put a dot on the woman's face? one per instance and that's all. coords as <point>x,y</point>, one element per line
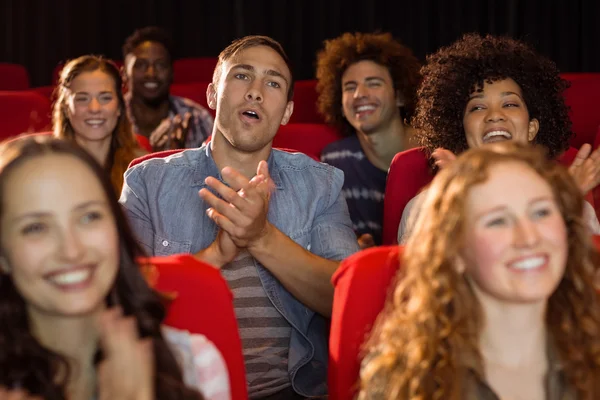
<point>59,238</point>
<point>498,113</point>
<point>515,236</point>
<point>93,106</point>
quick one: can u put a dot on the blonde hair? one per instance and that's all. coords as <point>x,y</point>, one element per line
<point>433,319</point>
<point>124,147</point>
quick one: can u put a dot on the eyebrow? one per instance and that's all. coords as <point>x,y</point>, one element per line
<point>368,79</point>
<point>500,208</point>
<point>102,92</point>
<point>270,72</point>
<point>42,214</point>
<point>503,94</point>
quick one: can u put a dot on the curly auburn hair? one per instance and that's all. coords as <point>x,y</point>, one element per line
<point>350,48</point>
<point>25,363</point>
<point>124,146</point>
<point>433,319</point>
<point>452,73</point>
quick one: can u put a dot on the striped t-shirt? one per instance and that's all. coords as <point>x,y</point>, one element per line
<point>364,185</point>
<point>265,333</point>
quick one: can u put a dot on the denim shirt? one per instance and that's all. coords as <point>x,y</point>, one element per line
<point>160,197</point>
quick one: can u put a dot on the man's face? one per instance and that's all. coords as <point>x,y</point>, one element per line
<point>149,71</point>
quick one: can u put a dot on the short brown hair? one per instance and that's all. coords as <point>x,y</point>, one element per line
<point>253,41</point>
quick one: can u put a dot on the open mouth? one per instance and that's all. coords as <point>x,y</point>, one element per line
<point>151,85</point>
<point>529,263</point>
<point>496,136</point>
<point>251,114</point>
<point>75,278</point>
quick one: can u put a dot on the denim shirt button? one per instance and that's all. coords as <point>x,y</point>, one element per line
<point>165,243</point>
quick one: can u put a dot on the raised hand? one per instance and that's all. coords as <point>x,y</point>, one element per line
<point>171,133</point>
<point>365,241</point>
<point>585,169</point>
<point>127,371</point>
<point>443,157</point>
<point>242,209</point>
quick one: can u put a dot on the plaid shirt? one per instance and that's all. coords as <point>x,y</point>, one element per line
<point>201,121</point>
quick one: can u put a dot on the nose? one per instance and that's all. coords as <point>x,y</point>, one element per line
<point>526,234</point>
<point>71,248</point>
<point>150,70</point>
<point>495,114</point>
<point>254,93</point>
<point>94,105</point>
<point>360,91</point>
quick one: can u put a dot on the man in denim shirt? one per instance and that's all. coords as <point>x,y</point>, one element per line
<point>274,222</point>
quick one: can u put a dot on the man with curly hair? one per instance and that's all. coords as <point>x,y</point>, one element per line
<point>367,84</point>
<point>167,121</point>
<point>484,89</point>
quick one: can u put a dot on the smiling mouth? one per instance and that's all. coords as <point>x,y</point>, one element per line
<point>529,263</point>
<point>496,136</point>
<point>151,85</point>
<point>95,122</point>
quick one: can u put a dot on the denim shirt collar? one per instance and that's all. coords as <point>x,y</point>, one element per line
<point>210,169</point>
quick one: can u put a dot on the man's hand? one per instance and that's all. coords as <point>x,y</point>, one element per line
<point>585,169</point>
<point>171,134</point>
<point>242,209</point>
<point>365,241</point>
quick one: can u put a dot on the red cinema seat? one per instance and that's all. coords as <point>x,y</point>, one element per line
<point>305,103</point>
<point>195,91</point>
<point>46,91</point>
<point>409,173</point>
<point>23,112</point>
<point>571,76</point>
<point>584,99</point>
<point>362,284</point>
<point>309,139</point>
<point>13,77</point>
<point>203,304</point>
<point>198,69</point>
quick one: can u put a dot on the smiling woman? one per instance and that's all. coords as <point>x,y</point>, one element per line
<point>90,110</point>
<point>77,319</point>
<point>495,297</point>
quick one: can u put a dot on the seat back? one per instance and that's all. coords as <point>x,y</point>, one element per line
<point>305,103</point>
<point>203,304</point>
<point>13,77</point>
<point>195,69</point>
<point>584,99</point>
<point>309,139</point>
<point>409,173</point>
<point>23,112</point>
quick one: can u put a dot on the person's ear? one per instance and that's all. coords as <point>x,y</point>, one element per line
<point>4,267</point>
<point>399,99</point>
<point>211,96</point>
<point>460,265</point>
<point>534,127</point>
<point>289,109</point>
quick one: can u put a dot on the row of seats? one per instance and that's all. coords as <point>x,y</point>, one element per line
<point>185,70</point>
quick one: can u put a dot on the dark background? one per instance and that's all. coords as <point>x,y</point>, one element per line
<point>41,33</point>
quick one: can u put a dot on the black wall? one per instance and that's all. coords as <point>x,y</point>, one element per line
<point>41,33</point>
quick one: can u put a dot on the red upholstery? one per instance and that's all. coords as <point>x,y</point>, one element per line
<point>203,304</point>
<point>13,77</point>
<point>46,91</point>
<point>144,142</point>
<point>584,99</point>
<point>23,112</point>
<point>195,91</point>
<point>158,154</point>
<point>362,283</point>
<point>198,69</point>
<point>309,139</point>
<point>571,76</point>
<point>305,103</point>
<point>409,173</point>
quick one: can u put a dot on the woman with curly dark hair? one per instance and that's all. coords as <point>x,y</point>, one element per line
<point>367,84</point>
<point>483,89</point>
<point>77,319</point>
<point>495,298</point>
